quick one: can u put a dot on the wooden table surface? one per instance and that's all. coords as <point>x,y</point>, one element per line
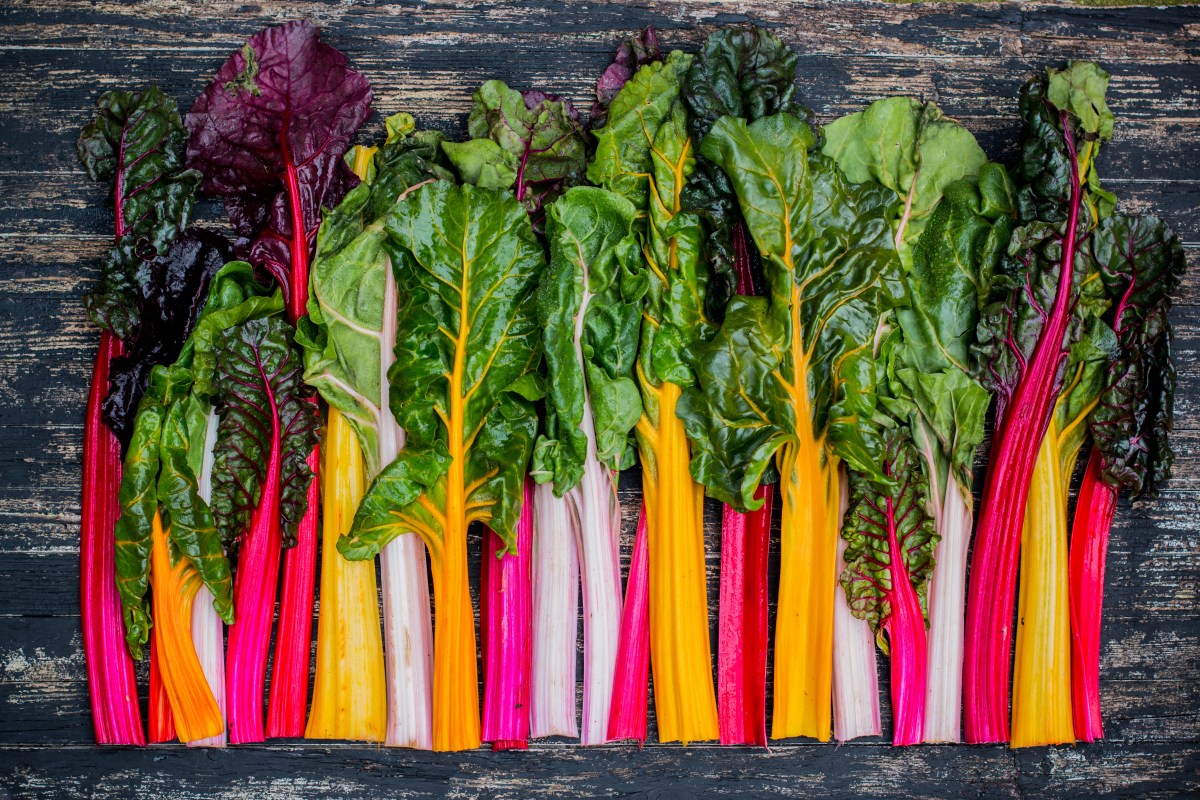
<point>427,58</point>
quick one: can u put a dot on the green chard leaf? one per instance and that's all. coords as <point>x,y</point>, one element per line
<point>741,71</point>
<point>832,271</point>
<point>349,335</point>
<point>258,387</point>
<point>463,382</point>
<point>1141,262</point>
<point>135,145</point>
<point>531,142</point>
<point>890,539</point>
<point>909,147</point>
<point>589,310</point>
<point>138,497</point>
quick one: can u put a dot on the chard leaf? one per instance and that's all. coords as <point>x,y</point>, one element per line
<point>909,147</point>
<point>1141,262</point>
<point>812,339</point>
<point>890,539</point>
<point>350,334</point>
<point>622,162</point>
<point>135,146</point>
<point>269,134</point>
<point>466,262</point>
<point>233,298</point>
<point>742,72</point>
<point>530,141</point>
<point>632,54</point>
<point>1021,294</point>
<point>138,498</point>
<point>590,337</point>
<point>258,387</point>
<point>170,292</point>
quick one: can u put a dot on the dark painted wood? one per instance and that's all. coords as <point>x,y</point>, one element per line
<point>427,57</point>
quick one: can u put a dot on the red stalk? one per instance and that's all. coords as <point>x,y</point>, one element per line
<point>162,723</point>
<point>506,627</point>
<point>116,717</point>
<point>254,587</point>
<point>1089,547</point>
<point>288,701</point>
<point>742,647</point>
<point>288,704</point>
<point>992,591</point>
<point>627,718</point>
<point>907,641</point>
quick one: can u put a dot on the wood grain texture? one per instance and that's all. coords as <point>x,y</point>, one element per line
<point>427,58</point>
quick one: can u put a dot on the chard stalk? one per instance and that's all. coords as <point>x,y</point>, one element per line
<point>555,615</point>
<point>505,617</point>
<point>855,676</point>
<point>208,631</point>
<point>632,681</point>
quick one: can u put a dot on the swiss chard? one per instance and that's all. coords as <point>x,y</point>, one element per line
<point>645,154</point>
<point>1038,303</point>
<point>134,146</point>
<point>789,377</point>
<point>466,261</point>
<point>1141,262</point>
<point>260,493</point>
<point>589,307</point>
<point>952,220</point>
<point>269,134</point>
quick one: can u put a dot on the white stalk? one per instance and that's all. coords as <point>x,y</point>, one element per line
<point>208,631</point>
<point>947,598</point>
<point>598,512</point>
<point>555,616</point>
<point>855,680</point>
<point>407,626</point>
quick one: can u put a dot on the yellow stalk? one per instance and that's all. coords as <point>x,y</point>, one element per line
<point>1041,704</point>
<point>173,590</point>
<point>349,696</point>
<point>685,700</point>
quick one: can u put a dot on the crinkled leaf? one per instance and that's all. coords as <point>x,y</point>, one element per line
<point>171,291</point>
<point>1141,262</point>
<point>269,134</point>
<point>632,54</point>
<point>186,516</point>
<point>909,147</point>
<point>135,147</point>
<point>883,524</point>
<point>351,329</point>
<point>466,262</point>
<point>589,336</point>
<point>258,388</point>
<point>742,72</point>
<point>622,162</point>
<point>532,142</point>
<point>832,272</point>
<point>233,297</point>
<point>1021,294</point>
<point>138,497</point>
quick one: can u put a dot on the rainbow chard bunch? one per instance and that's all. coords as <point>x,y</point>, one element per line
<point>269,135</point>
<point>1141,262</point>
<point>951,217</point>
<point>1040,344</point>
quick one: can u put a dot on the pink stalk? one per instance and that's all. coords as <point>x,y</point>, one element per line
<point>208,631</point>
<point>254,589</point>
<point>743,638</point>
<point>116,717</point>
<point>993,582</point>
<point>905,629</point>
<point>555,616</point>
<point>288,705</point>
<point>505,623</point>
<point>1089,548</point>
<point>627,718</point>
